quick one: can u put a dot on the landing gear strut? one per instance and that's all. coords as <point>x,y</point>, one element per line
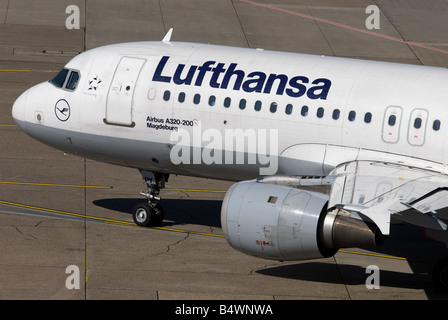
<point>150,213</point>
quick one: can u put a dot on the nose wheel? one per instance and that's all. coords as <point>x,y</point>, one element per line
<point>150,213</point>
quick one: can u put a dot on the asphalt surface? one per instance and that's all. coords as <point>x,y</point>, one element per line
<point>59,212</point>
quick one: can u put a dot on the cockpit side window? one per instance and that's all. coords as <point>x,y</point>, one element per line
<point>72,80</point>
<point>59,79</point>
<point>68,77</point>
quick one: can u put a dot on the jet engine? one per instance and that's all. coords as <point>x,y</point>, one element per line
<point>286,223</point>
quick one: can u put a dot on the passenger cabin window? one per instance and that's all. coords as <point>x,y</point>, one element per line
<point>181,97</point>
<point>227,102</point>
<point>257,106</point>
<point>436,125</point>
<point>273,107</point>
<point>392,120</point>
<point>288,109</point>
<point>336,114</point>
<point>304,111</point>
<point>351,116</point>
<point>418,123</point>
<point>166,95</point>
<point>59,79</point>
<point>242,104</point>
<point>368,117</point>
<point>211,101</point>
<point>320,112</point>
<point>197,98</point>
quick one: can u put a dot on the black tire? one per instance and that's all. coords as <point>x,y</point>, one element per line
<point>143,214</point>
<point>146,215</point>
<point>440,275</point>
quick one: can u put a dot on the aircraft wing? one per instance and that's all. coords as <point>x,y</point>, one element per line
<point>377,191</point>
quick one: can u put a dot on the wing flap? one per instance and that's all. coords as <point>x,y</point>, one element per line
<point>378,190</point>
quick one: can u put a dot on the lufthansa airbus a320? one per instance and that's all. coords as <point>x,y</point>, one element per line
<point>373,133</point>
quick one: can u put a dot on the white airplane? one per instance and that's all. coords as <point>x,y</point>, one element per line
<point>373,134</point>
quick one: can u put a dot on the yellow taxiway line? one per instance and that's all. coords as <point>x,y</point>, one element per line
<point>26,70</point>
<point>194,190</point>
<point>54,185</point>
<point>15,70</point>
<point>372,254</point>
<point>99,187</point>
<point>120,222</point>
<point>111,221</point>
<point>383,256</point>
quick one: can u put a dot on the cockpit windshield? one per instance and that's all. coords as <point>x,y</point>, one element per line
<point>59,79</point>
<point>66,79</point>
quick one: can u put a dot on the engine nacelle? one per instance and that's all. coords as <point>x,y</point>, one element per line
<point>284,223</point>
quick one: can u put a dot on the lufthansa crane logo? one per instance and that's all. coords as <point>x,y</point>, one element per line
<point>62,110</point>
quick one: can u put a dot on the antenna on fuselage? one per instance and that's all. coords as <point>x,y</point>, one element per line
<point>167,37</point>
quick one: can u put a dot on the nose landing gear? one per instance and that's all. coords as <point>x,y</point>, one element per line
<point>150,213</point>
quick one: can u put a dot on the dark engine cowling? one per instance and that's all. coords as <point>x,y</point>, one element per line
<point>284,223</point>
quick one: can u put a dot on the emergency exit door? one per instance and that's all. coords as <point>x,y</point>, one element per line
<point>120,97</point>
<point>417,127</point>
<point>392,124</point>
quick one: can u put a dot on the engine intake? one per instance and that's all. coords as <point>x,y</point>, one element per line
<point>284,223</point>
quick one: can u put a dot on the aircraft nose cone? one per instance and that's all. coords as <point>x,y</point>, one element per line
<point>18,110</point>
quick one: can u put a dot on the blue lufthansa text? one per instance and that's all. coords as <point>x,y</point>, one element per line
<point>222,76</point>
